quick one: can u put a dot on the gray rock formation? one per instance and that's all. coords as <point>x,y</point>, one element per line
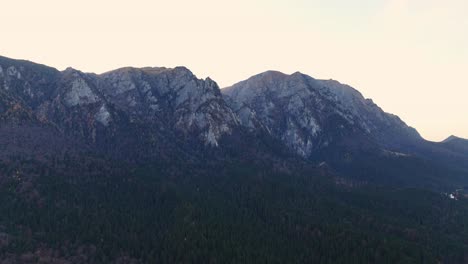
<point>76,102</point>
<point>308,114</point>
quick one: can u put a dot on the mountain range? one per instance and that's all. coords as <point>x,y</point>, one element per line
<point>70,139</point>
<point>142,114</point>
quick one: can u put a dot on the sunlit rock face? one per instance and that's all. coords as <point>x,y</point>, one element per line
<point>309,114</point>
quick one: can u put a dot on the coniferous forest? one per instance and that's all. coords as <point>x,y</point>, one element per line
<point>235,213</point>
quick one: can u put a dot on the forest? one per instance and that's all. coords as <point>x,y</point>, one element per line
<point>96,211</point>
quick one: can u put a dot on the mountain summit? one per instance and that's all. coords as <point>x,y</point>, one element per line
<point>309,114</point>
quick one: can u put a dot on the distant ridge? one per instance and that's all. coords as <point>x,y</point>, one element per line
<point>454,138</point>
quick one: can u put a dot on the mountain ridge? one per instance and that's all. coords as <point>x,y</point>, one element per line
<point>452,138</point>
<point>162,68</point>
<point>154,111</point>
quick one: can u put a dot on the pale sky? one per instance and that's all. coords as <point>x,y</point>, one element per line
<point>409,56</point>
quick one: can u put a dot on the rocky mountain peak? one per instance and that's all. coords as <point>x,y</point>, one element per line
<point>308,114</point>
<point>175,97</point>
<point>172,100</point>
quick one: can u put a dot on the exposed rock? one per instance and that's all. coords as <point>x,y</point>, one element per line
<point>103,116</point>
<point>13,72</point>
<point>80,94</point>
<point>304,113</point>
<point>175,98</point>
<point>308,114</point>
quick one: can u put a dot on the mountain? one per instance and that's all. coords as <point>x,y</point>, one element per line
<point>309,114</point>
<point>325,121</point>
<point>156,113</point>
<point>173,97</point>
<point>124,110</point>
<point>153,165</point>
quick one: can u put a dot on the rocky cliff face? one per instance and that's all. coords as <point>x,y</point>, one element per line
<point>154,109</point>
<point>162,115</point>
<point>174,98</point>
<point>309,114</point>
<point>95,107</point>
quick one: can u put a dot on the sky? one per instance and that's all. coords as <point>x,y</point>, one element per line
<point>409,56</point>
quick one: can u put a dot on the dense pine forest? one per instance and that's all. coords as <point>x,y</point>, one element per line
<point>234,213</point>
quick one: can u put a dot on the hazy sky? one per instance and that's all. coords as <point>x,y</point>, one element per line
<point>410,56</point>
